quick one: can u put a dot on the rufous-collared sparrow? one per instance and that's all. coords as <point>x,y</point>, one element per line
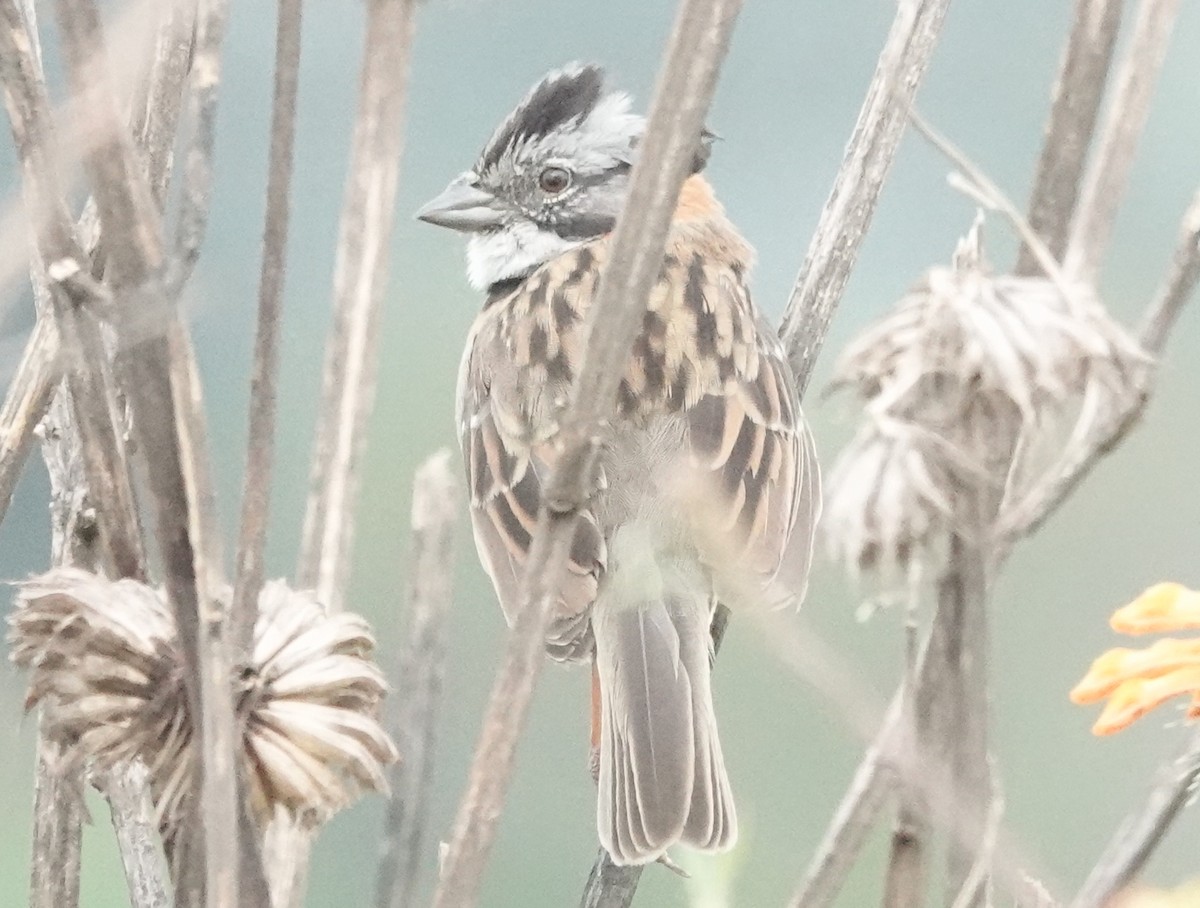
<point>708,472</point>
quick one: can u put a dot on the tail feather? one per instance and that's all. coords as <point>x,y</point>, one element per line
<point>662,775</point>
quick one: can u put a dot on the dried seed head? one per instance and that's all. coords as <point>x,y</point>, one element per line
<point>106,667</point>
<point>961,381</point>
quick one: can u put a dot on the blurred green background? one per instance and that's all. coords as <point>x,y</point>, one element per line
<point>788,98</point>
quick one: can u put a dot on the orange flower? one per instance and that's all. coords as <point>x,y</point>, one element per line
<point>1136,681</point>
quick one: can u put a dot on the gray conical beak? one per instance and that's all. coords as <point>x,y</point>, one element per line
<point>462,206</point>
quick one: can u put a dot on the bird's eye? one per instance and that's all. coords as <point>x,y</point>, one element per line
<point>554,180</point>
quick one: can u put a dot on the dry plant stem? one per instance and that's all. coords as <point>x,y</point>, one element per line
<point>1174,293</point>
<point>351,353</point>
<point>198,158</point>
<point>904,882</point>
<point>851,205</point>
<point>156,108</point>
<point>686,82</point>
<point>852,821</point>
<point>1078,89</point>
<point>155,121</point>
<point>958,662</point>
<point>141,853</point>
<point>157,372</point>
<point>256,485</point>
<point>610,886</point>
<point>360,281</point>
<point>58,815</point>
<point>82,351</point>
<point>1108,175</point>
<point>1142,831</point>
<point>436,499</point>
<point>28,398</point>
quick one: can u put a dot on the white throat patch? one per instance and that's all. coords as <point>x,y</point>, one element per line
<point>511,252</point>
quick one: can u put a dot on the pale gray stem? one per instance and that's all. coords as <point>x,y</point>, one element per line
<point>83,356</point>
<point>1141,832</point>
<point>360,280</point>
<point>687,79</point>
<point>854,818</point>
<point>158,374</point>
<point>1107,176</point>
<point>141,849</point>
<point>351,353</point>
<point>1176,289</point>
<point>959,653</point>
<point>198,157</point>
<point>28,398</point>
<point>57,820</point>
<point>610,886</point>
<point>256,484</point>
<point>851,205</point>
<point>904,882</point>
<point>417,695</point>
<point>1082,75</point>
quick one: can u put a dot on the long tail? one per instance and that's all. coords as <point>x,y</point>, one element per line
<point>662,775</point>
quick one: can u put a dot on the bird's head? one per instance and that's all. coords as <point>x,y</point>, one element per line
<point>553,175</point>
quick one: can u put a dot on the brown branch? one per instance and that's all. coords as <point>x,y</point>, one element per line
<point>851,205</point>
<point>256,485</point>
<point>360,280</point>
<point>1108,175</point>
<point>686,82</point>
<point>1078,90</point>
<point>28,398</point>
<point>1141,832</point>
<point>436,499</point>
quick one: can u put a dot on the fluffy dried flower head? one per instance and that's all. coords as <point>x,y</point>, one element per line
<point>965,373</point>
<point>106,667</point>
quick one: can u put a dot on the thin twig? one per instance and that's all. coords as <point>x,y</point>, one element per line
<point>351,353</point>
<point>198,158</point>
<point>1078,90</point>
<point>686,82</point>
<point>436,498</point>
<point>818,289</point>
<point>1140,833</point>
<point>904,882</point>
<point>156,111</point>
<point>256,486</point>
<point>137,837</point>
<point>360,279</point>
<point>973,887</point>
<point>854,818</point>
<point>28,398</point>
<point>1106,178</point>
<point>1176,290</point>
<point>851,205</point>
